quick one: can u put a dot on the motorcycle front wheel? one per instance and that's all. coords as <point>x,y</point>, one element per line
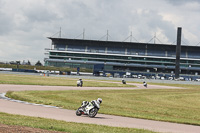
<point>93,112</point>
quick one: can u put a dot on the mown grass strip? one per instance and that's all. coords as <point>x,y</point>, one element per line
<point>173,105</point>
<point>70,127</point>
<point>53,81</point>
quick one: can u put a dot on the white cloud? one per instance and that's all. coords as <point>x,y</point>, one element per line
<point>26,24</point>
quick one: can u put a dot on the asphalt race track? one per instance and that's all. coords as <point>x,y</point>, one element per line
<point>12,107</point>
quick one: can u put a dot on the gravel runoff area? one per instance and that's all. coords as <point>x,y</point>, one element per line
<point>101,119</point>
<point>22,129</point>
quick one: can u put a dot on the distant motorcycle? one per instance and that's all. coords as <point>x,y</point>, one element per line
<point>145,84</point>
<point>123,81</point>
<point>80,83</point>
<point>91,110</point>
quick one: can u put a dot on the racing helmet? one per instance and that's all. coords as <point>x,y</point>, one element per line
<point>99,100</point>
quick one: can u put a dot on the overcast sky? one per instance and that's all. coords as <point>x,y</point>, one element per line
<point>26,24</point>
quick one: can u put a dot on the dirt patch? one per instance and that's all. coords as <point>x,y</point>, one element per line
<point>22,129</point>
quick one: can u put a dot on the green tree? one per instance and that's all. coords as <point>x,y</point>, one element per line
<point>38,64</point>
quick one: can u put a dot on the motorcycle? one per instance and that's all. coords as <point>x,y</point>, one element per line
<point>91,110</point>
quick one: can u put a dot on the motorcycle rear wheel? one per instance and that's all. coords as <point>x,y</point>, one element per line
<point>78,112</point>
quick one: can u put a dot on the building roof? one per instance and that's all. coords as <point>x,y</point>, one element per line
<point>122,44</point>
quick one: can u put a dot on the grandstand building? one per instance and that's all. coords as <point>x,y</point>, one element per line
<point>119,58</point>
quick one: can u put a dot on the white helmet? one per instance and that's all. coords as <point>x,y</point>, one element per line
<point>99,100</point>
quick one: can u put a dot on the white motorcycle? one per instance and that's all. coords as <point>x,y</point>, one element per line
<point>91,110</point>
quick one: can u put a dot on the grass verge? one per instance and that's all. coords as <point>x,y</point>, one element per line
<point>173,105</point>
<point>55,125</point>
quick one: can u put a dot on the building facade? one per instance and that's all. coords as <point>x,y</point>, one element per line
<point>122,57</point>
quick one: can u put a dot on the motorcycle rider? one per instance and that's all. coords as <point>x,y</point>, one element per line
<point>96,102</point>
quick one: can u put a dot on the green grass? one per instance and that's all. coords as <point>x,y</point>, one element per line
<point>173,105</point>
<point>53,81</point>
<point>55,125</point>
